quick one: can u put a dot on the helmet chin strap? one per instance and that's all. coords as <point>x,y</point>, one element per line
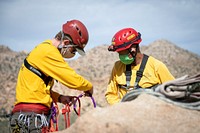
<point>61,40</point>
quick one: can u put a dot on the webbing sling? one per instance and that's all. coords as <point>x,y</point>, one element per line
<point>139,73</point>
<point>37,72</point>
<point>128,74</point>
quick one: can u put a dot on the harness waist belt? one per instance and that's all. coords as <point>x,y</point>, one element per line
<point>31,107</point>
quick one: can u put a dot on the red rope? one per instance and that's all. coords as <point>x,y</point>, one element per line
<point>65,110</point>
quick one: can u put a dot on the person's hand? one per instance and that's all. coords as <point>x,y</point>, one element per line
<point>66,99</point>
<point>89,92</point>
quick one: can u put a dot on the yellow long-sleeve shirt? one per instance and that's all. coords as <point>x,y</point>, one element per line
<point>47,58</point>
<point>155,72</point>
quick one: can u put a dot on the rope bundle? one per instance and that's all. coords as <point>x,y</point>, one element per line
<point>184,92</point>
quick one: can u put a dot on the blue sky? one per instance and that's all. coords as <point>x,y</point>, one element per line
<point>25,23</point>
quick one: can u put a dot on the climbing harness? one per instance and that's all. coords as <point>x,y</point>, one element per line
<point>139,75</point>
<point>24,121</point>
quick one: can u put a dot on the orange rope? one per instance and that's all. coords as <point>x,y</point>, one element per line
<point>65,110</point>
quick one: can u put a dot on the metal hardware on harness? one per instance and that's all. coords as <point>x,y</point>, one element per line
<point>128,88</point>
<point>28,122</point>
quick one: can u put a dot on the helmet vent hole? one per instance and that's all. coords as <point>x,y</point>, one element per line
<point>79,32</point>
<point>77,28</point>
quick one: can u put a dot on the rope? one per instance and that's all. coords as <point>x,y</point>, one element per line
<point>183,87</point>
<point>134,93</point>
<point>183,92</point>
<point>66,109</point>
<point>79,103</point>
<point>92,98</point>
<point>54,117</point>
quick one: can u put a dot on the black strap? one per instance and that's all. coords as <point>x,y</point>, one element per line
<point>128,74</point>
<point>139,73</point>
<point>37,72</point>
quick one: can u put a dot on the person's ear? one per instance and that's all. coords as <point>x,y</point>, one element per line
<point>66,42</point>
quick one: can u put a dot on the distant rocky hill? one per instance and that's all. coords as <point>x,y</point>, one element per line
<point>98,62</point>
<point>179,61</point>
<point>96,66</point>
<point>10,63</point>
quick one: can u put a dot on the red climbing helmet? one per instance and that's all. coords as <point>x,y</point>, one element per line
<point>77,31</point>
<point>124,38</point>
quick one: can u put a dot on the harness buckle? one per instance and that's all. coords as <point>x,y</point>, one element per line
<point>126,87</point>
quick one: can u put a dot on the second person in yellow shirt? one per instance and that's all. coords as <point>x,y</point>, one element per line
<point>134,69</point>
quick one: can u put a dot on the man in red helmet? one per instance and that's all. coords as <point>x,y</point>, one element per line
<point>134,70</point>
<point>34,96</point>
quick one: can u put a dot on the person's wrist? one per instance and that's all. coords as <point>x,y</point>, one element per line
<point>59,98</point>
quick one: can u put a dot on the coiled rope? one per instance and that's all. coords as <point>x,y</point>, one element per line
<point>183,92</point>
